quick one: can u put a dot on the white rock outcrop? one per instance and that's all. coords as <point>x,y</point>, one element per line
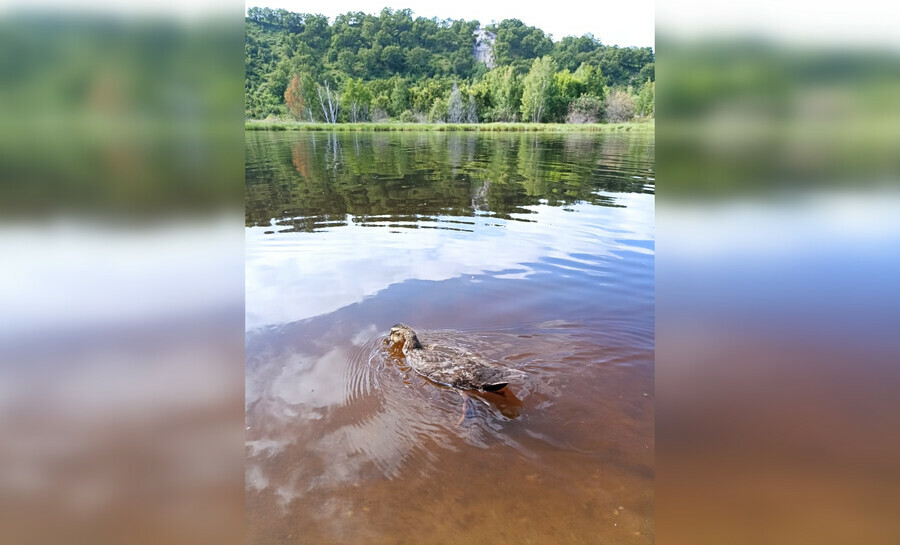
<point>484,46</point>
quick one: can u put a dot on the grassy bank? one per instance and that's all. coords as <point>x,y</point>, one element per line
<point>641,126</point>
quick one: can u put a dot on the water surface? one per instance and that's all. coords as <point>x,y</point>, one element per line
<point>534,250</point>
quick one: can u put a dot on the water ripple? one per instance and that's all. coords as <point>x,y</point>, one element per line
<point>535,251</point>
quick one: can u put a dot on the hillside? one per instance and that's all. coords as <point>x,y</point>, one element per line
<point>373,67</point>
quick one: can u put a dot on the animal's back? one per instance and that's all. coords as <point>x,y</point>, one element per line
<point>457,368</point>
<point>448,364</point>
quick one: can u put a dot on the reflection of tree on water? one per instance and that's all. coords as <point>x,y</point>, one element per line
<point>529,159</point>
<point>479,198</point>
<point>454,151</point>
<point>302,158</point>
<point>332,157</point>
<point>298,176</point>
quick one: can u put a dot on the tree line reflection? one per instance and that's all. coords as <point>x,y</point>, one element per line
<point>307,181</point>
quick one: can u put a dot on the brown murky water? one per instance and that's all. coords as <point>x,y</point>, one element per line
<point>535,251</point>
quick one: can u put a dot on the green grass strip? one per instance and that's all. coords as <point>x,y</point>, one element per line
<point>641,126</point>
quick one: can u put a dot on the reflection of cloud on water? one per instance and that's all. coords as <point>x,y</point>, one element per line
<point>255,478</point>
<point>314,383</point>
<point>383,432</point>
<point>386,439</point>
<point>266,447</point>
<point>365,335</point>
<point>293,276</point>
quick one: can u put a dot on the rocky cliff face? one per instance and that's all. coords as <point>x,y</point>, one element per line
<point>484,43</point>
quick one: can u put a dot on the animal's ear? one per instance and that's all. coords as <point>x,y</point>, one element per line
<point>495,387</point>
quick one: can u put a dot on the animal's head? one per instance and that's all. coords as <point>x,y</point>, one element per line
<point>403,335</point>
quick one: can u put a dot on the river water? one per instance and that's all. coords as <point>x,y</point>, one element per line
<point>535,250</point>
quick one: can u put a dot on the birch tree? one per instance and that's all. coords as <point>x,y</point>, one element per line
<point>645,103</point>
<point>329,101</point>
<point>505,92</point>
<point>539,89</point>
<point>356,99</point>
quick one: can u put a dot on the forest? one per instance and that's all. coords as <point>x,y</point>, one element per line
<point>394,67</point>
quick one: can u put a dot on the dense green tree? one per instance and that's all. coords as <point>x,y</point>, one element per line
<point>570,52</point>
<point>471,110</point>
<point>399,96</point>
<point>568,88</point>
<point>622,66</point>
<point>438,113</point>
<point>279,77</point>
<point>594,82</point>
<point>418,60</point>
<point>350,63</point>
<point>539,90</point>
<point>518,43</point>
<point>424,95</point>
<point>408,63</point>
<point>355,101</point>
<point>648,71</point>
<point>381,105</point>
<point>263,103</point>
<point>280,18</point>
<point>317,33</point>
<point>585,109</point>
<point>347,33</point>
<point>308,89</point>
<point>393,58</point>
<point>503,92</point>
<point>645,103</point>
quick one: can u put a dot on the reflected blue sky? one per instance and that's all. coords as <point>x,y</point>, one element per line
<point>297,275</point>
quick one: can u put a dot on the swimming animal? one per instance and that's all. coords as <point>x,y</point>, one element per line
<point>453,367</point>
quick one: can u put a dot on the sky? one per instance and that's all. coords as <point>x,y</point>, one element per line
<point>619,22</point>
<point>866,23</point>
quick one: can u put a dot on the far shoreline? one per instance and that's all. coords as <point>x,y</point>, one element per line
<point>630,126</point>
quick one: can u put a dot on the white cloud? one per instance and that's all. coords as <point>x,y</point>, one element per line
<point>293,276</point>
